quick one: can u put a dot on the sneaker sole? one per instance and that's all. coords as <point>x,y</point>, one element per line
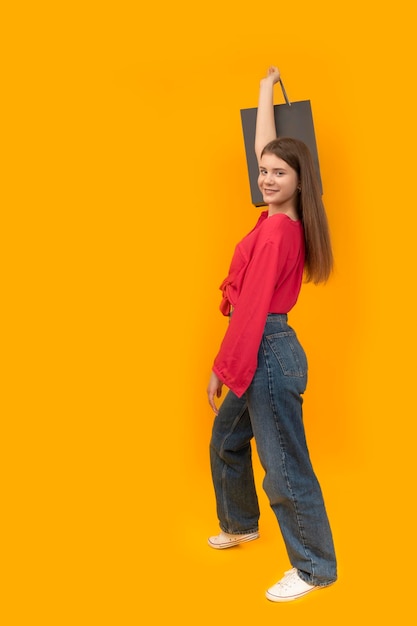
<point>233,543</point>
<point>289,598</point>
<point>300,595</point>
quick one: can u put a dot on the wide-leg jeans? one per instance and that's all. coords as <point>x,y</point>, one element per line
<point>271,412</point>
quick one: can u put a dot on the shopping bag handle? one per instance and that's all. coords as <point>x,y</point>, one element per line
<point>284,93</point>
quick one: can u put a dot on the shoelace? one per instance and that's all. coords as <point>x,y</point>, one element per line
<point>290,578</point>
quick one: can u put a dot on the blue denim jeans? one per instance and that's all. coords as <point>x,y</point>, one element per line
<point>271,412</point>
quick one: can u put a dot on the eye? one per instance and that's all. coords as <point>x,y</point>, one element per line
<point>262,171</point>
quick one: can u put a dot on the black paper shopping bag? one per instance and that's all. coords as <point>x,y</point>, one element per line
<point>292,119</point>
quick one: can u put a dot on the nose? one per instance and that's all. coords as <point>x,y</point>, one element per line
<point>268,177</point>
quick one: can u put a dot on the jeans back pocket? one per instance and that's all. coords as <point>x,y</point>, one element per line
<point>289,353</point>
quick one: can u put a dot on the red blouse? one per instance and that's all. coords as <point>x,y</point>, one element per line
<point>265,276</point>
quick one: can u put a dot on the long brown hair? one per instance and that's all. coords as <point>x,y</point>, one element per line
<point>311,211</point>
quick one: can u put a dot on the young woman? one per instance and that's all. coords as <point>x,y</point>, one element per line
<point>264,366</point>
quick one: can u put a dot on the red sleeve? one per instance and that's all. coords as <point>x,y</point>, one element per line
<point>237,359</point>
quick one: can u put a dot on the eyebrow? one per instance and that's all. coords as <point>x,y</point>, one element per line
<point>274,169</point>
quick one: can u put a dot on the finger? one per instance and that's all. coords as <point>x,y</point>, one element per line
<point>212,404</point>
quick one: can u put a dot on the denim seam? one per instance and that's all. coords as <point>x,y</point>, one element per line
<point>283,456</point>
<point>224,472</point>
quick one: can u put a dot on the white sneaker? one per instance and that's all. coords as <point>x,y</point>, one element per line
<point>226,540</point>
<point>290,587</point>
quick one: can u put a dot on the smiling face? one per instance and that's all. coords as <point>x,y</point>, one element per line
<point>279,185</point>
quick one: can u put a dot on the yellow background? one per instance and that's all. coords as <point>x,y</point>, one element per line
<point>124,192</point>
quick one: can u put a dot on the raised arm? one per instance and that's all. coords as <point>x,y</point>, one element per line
<point>265,122</point>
